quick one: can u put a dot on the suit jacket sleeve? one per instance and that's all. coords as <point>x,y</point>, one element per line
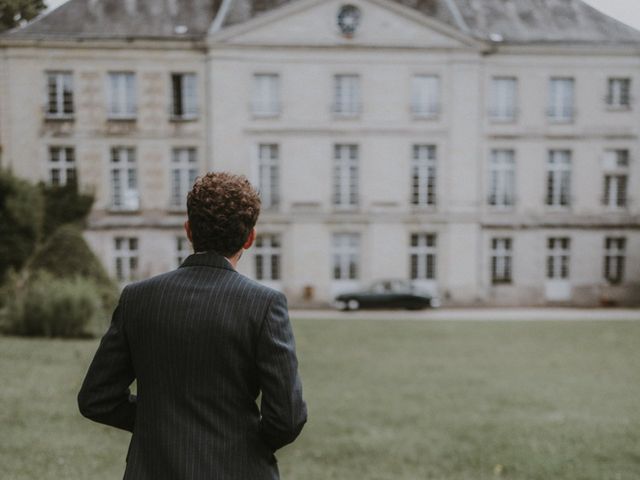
<point>283,409</point>
<point>105,396</point>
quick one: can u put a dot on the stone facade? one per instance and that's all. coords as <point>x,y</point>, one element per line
<point>304,135</point>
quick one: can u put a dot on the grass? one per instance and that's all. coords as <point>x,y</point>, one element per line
<point>387,400</point>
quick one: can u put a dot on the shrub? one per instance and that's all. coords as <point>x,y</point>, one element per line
<point>21,216</point>
<point>53,307</point>
<point>64,204</point>
<point>66,255</point>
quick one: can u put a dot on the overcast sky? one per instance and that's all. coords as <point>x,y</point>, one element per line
<point>627,11</point>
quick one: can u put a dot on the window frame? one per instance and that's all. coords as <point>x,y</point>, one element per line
<point>125,89</point>
<point>346,176</point>
<point>267,254</point>
<point>499,109</point>
<point>423,254</point>
<point>266,101</point>
<point>184,96</point>
<point>126,260</point>
<point>347,97</point>
<point>62,79</point>
<point>426,99</point>
<point>345,256</point>
<point>501,260</point>
<point>123,181</point>
<point>501,183</point>
<point>63,165</point>
<point>562,104</point>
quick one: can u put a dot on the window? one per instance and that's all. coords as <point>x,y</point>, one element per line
<point>267,257</point>
<point>184,170</point>
<point>558,257</point>
<point>59,94</point>
<point>614,259</point>
<point>422,256</point>
<point>346,256</point>
<point>183,249</point>
<point>502,171</point>
<point>124,179</point>
<point>504,98</point>
<point>266,95</point>
<point>561,100</point>
<point>122,95</point>
<point>126,258</point>
<point>425,96</point>
<point>559,178</point>
<point>501,260</point>
<point>184,96</point>
<point>62,166</point>
<point>345,176</point>
<point>616,177</point>
<point>619,93</point>
<point>347,95</point>
<point>269,175</point>
<point>423,175</point>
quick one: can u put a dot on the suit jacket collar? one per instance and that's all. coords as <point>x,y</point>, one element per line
<point>207,259</point>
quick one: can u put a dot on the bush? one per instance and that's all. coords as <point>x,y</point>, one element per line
<point>53,307</point>
<point>66,255</point>
<point>21,216</point>
<point>64,204</point>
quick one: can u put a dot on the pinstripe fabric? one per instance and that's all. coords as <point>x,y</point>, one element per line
<point>202,342</point>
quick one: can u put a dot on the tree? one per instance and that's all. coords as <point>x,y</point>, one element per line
<point>16,12</point>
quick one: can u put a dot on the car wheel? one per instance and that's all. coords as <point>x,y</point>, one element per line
<point>340,305</point>
<point>353,304</point>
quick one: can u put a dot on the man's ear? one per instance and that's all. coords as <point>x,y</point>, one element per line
<point>250,239</point>
<point>187,229</point>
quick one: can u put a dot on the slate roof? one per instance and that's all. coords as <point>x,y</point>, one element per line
<point>124,19</point>
<point>511,21</point>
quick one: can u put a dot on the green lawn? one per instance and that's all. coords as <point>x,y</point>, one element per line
<point>387,400</point>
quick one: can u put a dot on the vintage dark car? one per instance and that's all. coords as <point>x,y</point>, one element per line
<point>387,294</point>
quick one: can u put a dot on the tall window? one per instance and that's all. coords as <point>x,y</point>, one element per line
<point>504,99</point>
<point>183,249</point>
<point>62,165</point>
<point>422,256</point>
<point>502,173</point>
<point>268,251</point>
<point>184,170</point>
<point>423,175</point>
<point>619,93</point>
<point>425,96</point>
<point>559,178</point>
<point>269,175</point>
<point>501,260</point>
<point>346,256</point>
<point>614,259</point>
<point>616,178</point>
<point>184,96</point>
<point>122,95</point>
<point>558,257</point>
<point>59,94</point>
<point>345,176</point>
<point>347,101</point>
<point>126,258</point>
<point>561,100</point>
<point>266,95</point>
<point>124,179</point>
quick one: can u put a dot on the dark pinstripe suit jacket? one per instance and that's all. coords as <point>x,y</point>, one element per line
<point>202,342</point>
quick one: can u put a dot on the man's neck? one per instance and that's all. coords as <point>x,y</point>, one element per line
<point>233,260</point>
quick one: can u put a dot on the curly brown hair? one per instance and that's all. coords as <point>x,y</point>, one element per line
<point>223,208</point>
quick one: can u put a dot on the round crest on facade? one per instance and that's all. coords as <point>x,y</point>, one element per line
<point>348,20</point>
